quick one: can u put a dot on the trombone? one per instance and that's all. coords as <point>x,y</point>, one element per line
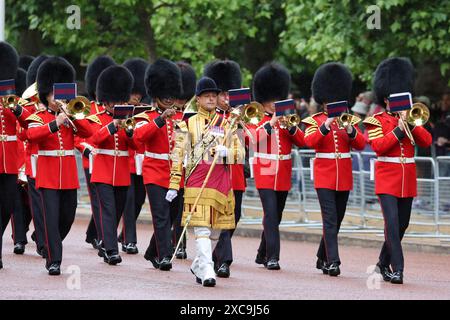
<point>77,108</point>
<point>418,115</point>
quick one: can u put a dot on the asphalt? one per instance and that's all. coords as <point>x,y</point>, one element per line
<point>86,277</point>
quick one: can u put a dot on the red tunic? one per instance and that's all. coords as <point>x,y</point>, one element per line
<point>8,141</point>
<point>387,140</point>
<point>159,140</point>
<point>334,174</point>
<point>112,169</point>
<point>82,144</point>
<point>272,166</point>
<point>55,172</point>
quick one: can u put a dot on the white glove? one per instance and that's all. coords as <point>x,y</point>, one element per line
<point>171,194</point>
<point>222,151</point>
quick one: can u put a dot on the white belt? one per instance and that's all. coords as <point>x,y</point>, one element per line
<point>109,152</point>
<point>56,153</point>
<point>272,156</point>
<point>333,155</point>
<point>6,138</point>
<point>160,156</point>
<point>396,159</point>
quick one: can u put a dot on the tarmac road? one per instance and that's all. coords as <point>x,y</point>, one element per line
<point>86,276</point>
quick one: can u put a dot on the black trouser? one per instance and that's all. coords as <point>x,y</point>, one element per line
<point>396,213</point>
<point>36,213</point>
<point>94,229</point>
<point>332,205</point>
<point>224,252</point>
<point>161,243</point>
<point>8,189</point>
<point>58,208</point>
<point>176,214</point>
<point>20,217</point>
<point>112,202</point>
<point>133,206</point>
<point>273,203</point>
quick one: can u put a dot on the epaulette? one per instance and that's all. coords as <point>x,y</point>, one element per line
<point>310,121</point>
<point>355,120</point>
<point>142,115</point>
<point>373,121</point>
<point>35,118</point>
<point>94,118</point>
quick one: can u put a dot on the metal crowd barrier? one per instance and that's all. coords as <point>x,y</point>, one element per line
<point>431,207</point>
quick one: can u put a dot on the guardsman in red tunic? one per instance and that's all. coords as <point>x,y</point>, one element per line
<point>111,170</point>
<point>9,61</point>
<point>56,177</point>
<point>272,164</point>
<point>136,191</point>
<point>227,75</point>
<point>31,154</point>
<point>85,146</point>
<point>20,217</point>
<point>395,169</point>
<point>188,81</point>
<point>332,169</point>
<point>156,131</point>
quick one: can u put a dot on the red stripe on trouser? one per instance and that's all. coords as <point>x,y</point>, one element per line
<point>90,197</point>
<point>45,228</point>
<point>386,238</point>
<point>32,214</point>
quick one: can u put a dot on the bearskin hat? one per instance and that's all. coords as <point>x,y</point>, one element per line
<point>188,80</point>
<point>332,82</point>
<point>226,74</point>
<point>393,75</point>
<point>114,85</point>
<point>271,83</point>
<point>53,70</point>
<point>33,69</point>
<point>21,81</point>
<point>163,79</point>
<point>25,61</point>
<point>137,67</point>
<point>93,72</point>
<point>9,61</point>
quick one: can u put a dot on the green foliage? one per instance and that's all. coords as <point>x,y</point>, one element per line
<point>300,33</point>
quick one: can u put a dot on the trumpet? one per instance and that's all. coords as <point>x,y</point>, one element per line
<point>418,115</point>
<point>347,119</point>
<point>128,123</point>
<point>289,121</point>
<point>10,101</point>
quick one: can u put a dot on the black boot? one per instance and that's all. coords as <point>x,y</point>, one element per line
<point>19,248</point>
<point>397,277</point>
<point>112,258</point>
<point>54,269</point>
<point>272,264</point>
<point>223,271</point>
<point>385,271</point>
<point>333,269</point>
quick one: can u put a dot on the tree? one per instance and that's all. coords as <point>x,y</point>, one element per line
<point>321,31</point>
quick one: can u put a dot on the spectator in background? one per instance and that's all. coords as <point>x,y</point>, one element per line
<point>424,152</point>
<point>360,109</point>
<point>441,134</point>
